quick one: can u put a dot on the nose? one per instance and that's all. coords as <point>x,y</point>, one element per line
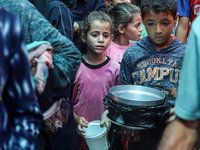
<point>158,29</point>
<point>100,39</point>
<point>141,29</point>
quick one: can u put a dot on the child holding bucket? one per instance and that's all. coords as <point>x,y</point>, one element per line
<point>155,61</point>
<point>127,26</point>
<point>96,74</point>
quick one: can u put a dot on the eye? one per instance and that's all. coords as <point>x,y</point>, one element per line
<point>106,35</point>
<point>165,23</point>
<point>150,24</point>
<point>94,35</point>
<point>137,25</point>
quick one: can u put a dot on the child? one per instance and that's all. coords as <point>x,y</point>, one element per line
<point>155,61</point>
<point>127,26</point>
<point>96,75</point>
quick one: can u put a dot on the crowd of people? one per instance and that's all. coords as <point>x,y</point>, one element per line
<point>59,58</point>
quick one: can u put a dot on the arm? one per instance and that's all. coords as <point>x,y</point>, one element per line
<point>180,135</point>
<point>65,55</point>
<point>182,29</point>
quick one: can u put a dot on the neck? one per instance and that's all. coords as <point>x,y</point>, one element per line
<point>94,60</point>
<point>121,40</point>
<point>164,45</point>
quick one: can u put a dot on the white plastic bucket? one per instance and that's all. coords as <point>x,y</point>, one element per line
<point>96,136</point>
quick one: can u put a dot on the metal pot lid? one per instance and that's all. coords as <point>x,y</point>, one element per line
<point>134,95</point>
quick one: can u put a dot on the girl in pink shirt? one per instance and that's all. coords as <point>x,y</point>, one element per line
<point>96,75</point>
<point>127,26</point>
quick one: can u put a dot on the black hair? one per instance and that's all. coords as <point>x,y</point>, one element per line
<point>123,14</point>
<point>85,27</point>
<point>157,6</point>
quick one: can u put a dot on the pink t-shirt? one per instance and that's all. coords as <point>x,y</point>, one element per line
<point>115,51</point>
<point>91,85</point>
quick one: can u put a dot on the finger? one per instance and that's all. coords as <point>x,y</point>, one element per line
<point>80,129</point>
<point>102,123</point>
<point>79,133</point>
<point>85,121</point>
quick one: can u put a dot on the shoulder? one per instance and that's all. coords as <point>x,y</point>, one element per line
<point>114,63</point>
<point>139,47</point>
<point>179,44</point>
<point>56,3</point>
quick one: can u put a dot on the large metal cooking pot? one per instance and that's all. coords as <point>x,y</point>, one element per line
<point>134,95</point>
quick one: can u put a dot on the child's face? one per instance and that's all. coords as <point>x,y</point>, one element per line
<point>98,37</point>
<point>134,30</point>
<point>159,27</point>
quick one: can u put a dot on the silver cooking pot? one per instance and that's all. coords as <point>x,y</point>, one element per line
<point>134,95</point>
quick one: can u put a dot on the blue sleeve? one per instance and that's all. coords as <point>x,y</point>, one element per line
<point>61,18</point>
<point>183,8</point>
<point>187,104</point>
<point>24,116</point>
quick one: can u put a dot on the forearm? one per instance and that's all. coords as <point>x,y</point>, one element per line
<point>180,135</point>
<point>182,29</point>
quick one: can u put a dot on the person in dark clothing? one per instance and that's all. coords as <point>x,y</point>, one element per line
<point>60,16</point>
<point>42,6</point>
<point>81,8</point>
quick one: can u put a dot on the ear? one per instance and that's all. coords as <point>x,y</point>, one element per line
<point>111,37</point>
<point>83,38</point>
<point>176,18</point>
<point>121,29</point>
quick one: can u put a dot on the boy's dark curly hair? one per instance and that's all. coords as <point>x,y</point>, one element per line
<point>157,6</point>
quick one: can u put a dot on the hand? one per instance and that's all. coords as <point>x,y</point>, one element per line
<point>172,115</point>
<point>37,51</point>
<point>105,120</point>
<point>75,28</point>
<point>80,123</point>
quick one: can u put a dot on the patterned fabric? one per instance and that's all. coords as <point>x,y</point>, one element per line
<point>20,116</point>
<point>65,55</point>
<point>143,65</point>
<point>40,58</point>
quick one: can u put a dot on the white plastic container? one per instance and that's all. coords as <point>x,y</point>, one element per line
<point>96,136</point>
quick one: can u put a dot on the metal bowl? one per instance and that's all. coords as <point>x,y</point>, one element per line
<point>134,95</point>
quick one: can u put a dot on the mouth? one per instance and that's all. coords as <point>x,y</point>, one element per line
<point>158,37</point>
<point>100,47</point>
